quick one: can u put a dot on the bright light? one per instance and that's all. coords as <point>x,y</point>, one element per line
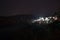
<point>42,19</point>
<point>55,18</point>
<point>46,19</point>
<point>34,21</point>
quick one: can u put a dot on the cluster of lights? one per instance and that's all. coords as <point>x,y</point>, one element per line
<point>44,20</point>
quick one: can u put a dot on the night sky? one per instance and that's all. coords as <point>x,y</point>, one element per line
<point>34,7</point>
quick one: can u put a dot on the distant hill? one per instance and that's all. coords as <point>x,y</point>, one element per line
<point>14,19</point>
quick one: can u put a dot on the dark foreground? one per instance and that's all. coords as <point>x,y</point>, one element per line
<point>29,33</point>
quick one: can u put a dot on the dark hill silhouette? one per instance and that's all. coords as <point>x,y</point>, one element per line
<point>15,18</point>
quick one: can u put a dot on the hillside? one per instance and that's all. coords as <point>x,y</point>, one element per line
<point>14,19</point>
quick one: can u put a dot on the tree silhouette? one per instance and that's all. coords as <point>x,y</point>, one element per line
<point>57,13</point>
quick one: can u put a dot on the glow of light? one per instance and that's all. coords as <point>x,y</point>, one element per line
<point>46,19</point>
<point>34,21</point>
<point>55,18</point>
<point>42,19</point>
<point>50,17</point>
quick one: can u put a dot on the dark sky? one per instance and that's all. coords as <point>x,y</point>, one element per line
<point>35,7</point>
